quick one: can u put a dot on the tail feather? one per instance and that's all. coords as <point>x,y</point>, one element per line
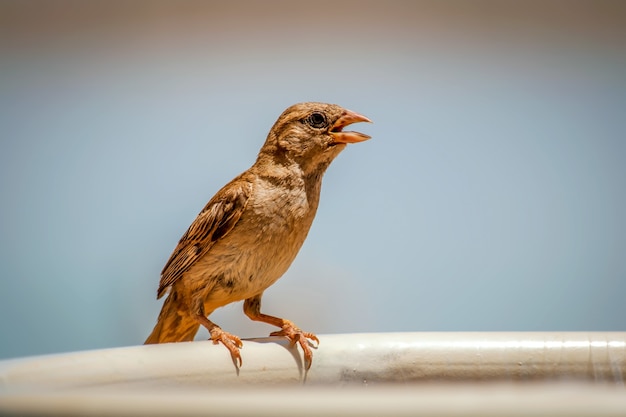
<point>175,324</point>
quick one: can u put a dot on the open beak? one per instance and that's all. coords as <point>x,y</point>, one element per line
<point>347,118</point>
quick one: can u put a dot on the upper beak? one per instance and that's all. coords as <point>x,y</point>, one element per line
<point>348,117</point>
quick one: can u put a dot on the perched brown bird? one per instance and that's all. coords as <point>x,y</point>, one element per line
<point>246,237</point>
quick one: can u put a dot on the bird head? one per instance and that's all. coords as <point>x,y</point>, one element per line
<point>312,135</point>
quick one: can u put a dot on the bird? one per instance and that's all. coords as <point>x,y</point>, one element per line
<point>247,235</point>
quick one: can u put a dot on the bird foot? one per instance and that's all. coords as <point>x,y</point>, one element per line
<point>294,334</point>
<point>230,341</point>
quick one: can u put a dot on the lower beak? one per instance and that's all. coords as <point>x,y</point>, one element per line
<point>347,118</point>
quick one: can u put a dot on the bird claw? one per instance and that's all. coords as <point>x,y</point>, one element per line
<point>230,341</point>
<point>294,334</point>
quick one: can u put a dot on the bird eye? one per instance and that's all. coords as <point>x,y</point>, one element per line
<point>317,120</point>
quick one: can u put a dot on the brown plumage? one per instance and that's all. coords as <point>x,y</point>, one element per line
<point>248,234</point>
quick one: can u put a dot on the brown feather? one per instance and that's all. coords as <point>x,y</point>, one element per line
<point>215,220</point>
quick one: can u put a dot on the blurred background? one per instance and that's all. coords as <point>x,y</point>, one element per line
<point>491,197</point>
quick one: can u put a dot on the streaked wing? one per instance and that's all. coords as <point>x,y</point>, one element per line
<point>217,218</point>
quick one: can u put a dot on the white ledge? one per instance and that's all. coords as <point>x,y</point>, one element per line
<point>390,364</point>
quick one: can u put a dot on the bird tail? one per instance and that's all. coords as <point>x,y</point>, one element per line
<point>175,324</point>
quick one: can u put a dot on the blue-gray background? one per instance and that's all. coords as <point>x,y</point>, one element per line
<point>491,197</point>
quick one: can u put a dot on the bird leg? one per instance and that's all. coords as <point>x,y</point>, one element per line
<point>232,342</point>
<point>294,334</point>
<point>252,309</point>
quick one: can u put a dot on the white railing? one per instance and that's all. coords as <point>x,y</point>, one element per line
<point>360,374</point>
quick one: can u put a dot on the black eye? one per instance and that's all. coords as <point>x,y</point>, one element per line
<point>317,120</point>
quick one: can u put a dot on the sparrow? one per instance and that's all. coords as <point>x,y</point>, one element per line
<point>248,234</point>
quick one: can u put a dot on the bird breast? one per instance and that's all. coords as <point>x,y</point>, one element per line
<point>263,244</point>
